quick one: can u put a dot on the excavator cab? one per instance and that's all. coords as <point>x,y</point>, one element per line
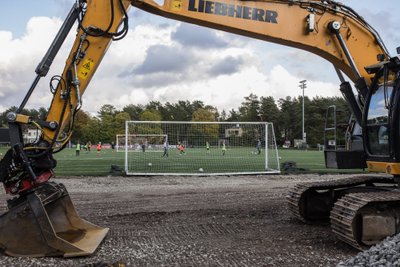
<point>381,119</point>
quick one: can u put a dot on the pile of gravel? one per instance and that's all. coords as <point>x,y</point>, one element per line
<point>385,253</point>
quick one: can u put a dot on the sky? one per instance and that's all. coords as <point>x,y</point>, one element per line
<point>167,61</point>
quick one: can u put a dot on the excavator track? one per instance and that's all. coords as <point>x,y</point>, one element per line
<point>342,202</point>
<point>364,219</point>
<point>305,199</point>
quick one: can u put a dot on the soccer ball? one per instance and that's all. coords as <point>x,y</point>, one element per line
<point>149,164</point>
<point>201,170</point>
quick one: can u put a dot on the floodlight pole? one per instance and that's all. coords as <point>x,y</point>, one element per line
<point>303,86</point>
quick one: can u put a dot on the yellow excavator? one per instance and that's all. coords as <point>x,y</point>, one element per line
<point>41,219</point>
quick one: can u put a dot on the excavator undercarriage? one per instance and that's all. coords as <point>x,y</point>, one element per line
<point>362,210</point>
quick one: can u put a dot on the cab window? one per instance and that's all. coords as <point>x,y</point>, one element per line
<point>378,121</point>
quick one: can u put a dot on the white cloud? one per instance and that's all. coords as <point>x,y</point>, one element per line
<point>19,58</point>
<point>115,83</point>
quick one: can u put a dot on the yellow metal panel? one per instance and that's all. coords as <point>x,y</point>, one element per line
<point>385,167</point>
<point>22,119</point>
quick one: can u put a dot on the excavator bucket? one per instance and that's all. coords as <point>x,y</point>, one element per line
<point>45,223</point>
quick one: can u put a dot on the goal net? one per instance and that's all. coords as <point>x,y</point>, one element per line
<point>199,148</point>
<point>140,142</point>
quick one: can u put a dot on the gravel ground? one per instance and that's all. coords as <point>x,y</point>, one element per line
<point>196,221</point>
<point>385,254</point>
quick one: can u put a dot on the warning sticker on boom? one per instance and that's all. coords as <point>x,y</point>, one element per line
<point>85,69</point>
<point>177,5</point>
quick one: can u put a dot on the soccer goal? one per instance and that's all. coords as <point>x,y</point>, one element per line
<point>199,148</point>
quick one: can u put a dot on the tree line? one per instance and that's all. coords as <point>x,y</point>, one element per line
<point>285,114</point>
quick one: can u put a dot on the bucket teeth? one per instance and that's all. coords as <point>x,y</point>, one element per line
<point>45,223</point>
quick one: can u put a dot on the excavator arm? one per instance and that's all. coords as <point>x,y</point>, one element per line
<point>42,220</point>
<point>326,28</point>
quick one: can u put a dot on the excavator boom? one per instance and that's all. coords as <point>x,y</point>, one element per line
<point>306,25</point>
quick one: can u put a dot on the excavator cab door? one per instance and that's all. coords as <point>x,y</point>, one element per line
<point>381,121</point>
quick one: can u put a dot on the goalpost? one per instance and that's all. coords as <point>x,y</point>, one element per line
<point>198,148</point>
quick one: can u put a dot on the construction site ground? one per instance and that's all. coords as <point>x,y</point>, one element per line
<point>196,221</point>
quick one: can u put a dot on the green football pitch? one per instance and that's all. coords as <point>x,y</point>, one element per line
<point>199,160</point>
<point>195,160</point>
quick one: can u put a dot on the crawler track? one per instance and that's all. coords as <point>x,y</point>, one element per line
<point>341,201</point>
<point>347,212</point>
